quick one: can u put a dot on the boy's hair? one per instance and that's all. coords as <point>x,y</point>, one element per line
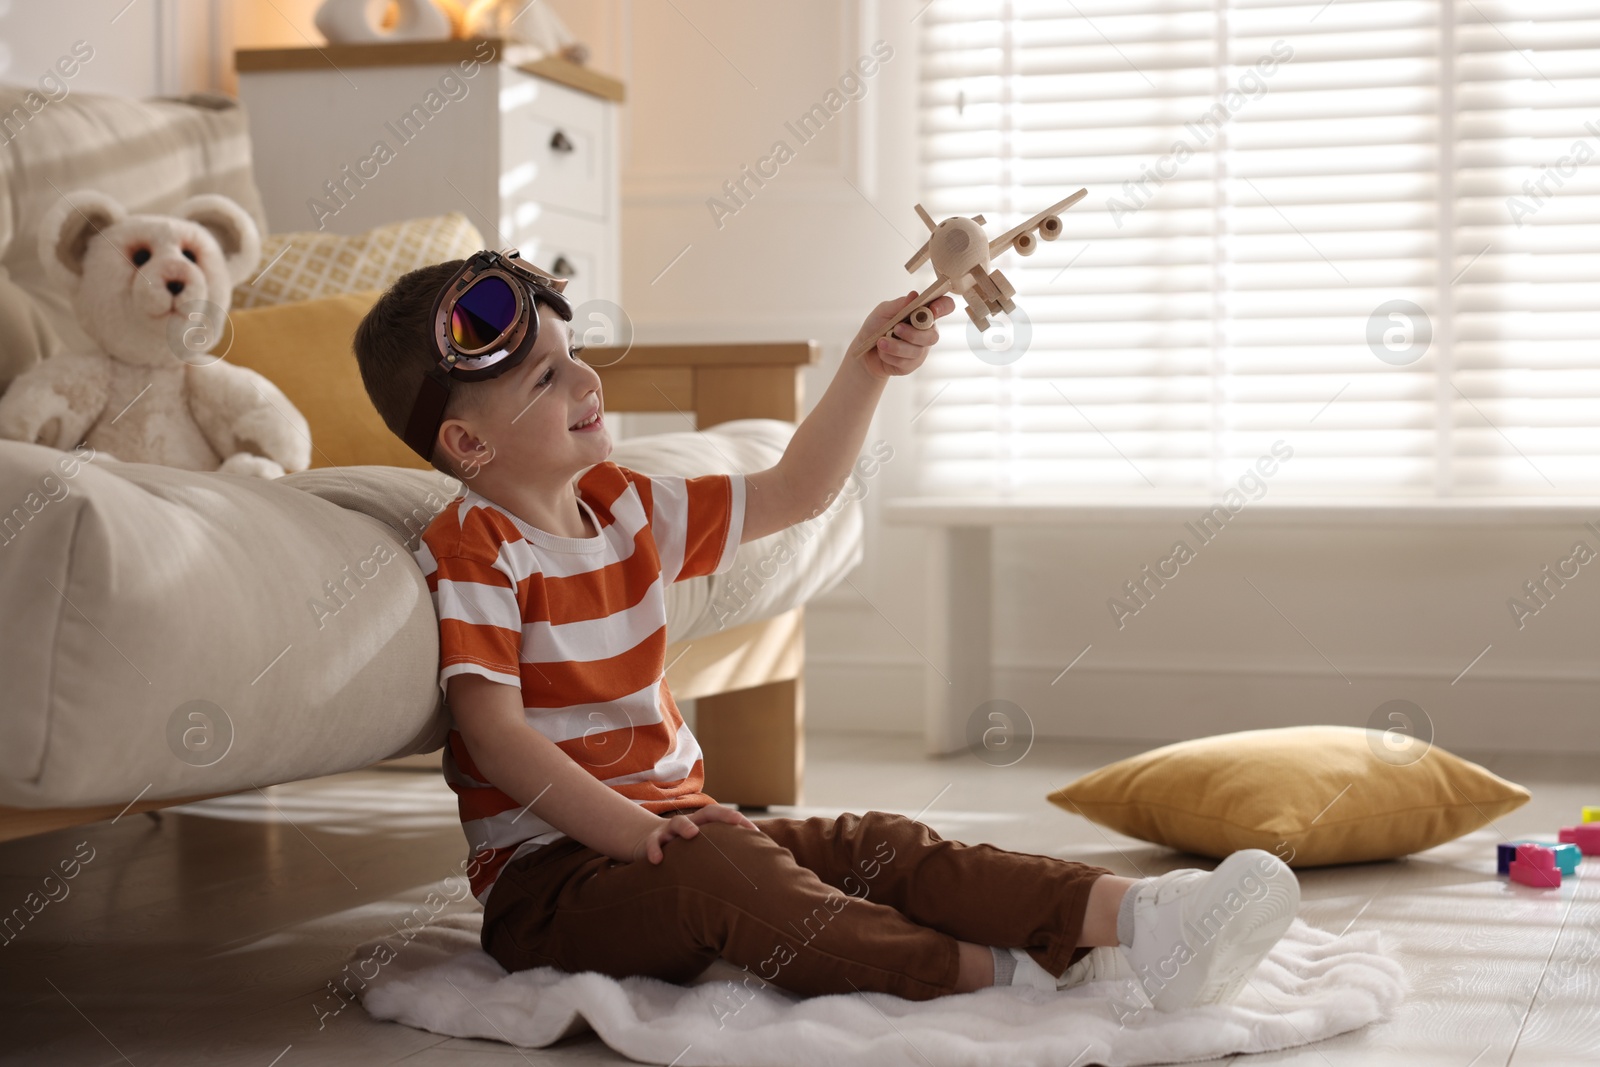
<point>394,349</point>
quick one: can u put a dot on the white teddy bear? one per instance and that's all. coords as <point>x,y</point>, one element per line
<point>151,292</point>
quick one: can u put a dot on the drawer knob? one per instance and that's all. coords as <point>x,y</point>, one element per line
<point>560,142</point>
<point>562,268</point>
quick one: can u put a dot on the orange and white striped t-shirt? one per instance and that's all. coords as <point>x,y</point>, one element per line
<point>579,624</point>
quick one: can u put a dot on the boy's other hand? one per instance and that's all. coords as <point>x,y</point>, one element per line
<point>685,825</point>
<point>906,347</point>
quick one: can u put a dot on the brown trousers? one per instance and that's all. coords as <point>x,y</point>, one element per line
<point>872,902</point>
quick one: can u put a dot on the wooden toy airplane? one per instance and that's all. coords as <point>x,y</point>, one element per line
<point>961,250</point>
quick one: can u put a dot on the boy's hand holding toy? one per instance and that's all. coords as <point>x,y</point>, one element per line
<point>960,251</point>
<point>906,346</point>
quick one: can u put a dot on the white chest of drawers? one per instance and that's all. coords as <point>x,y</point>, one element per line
<point>347,137</point>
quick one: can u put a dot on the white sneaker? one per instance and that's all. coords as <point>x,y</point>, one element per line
<point>1198,936</point>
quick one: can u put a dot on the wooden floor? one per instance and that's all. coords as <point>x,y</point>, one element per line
<point>208,936</point>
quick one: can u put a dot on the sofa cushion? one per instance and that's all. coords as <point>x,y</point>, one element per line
<point>405,500</point>
<point>307,265</point>
<point>147,154</point>
<point>301,629</point>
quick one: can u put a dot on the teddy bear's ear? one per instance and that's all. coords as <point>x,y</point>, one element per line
<point>66,229</point>
<point>233,228</point>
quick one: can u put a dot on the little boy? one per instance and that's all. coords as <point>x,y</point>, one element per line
<point>594,846</point>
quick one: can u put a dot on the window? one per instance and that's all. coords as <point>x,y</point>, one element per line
<point>1368,229</point>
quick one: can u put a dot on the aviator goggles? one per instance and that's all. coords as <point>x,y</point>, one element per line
<point>485,322</point>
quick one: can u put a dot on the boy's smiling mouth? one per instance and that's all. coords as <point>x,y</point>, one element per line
<point>588,422</point>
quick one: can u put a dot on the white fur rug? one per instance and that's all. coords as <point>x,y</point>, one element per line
<point>1312,986</point>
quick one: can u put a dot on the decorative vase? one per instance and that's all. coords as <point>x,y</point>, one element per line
<point>360,21</point>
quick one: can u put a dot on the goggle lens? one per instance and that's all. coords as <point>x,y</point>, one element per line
<point>482,313</point>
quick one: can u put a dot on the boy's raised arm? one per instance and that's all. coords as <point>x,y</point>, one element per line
<point>827,441</point>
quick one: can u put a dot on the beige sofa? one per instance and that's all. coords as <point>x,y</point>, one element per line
<point>163,642</point>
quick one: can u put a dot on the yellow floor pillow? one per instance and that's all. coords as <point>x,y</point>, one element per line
<point>1311,795</point>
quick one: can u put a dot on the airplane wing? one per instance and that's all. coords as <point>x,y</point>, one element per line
<point>1001,243</point>
<point>922,253</point>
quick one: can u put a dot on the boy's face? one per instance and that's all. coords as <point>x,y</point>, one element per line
<point>525,418</point>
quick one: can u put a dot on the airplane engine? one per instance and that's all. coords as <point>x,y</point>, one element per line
<point>1050,227</point>
<point>1025,244</point>
<point>922,318</point>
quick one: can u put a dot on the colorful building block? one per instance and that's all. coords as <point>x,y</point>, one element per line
<point>1535,866</point>
<point>1586,836</point>
<point>1567,856</point>
<point>1591,814</point>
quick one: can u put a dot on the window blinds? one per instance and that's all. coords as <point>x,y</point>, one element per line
<point>1366,229</point>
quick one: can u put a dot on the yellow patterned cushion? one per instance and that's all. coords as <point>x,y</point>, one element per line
<point>310,265</point>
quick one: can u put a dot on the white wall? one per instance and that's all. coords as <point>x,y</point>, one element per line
<point>1400,610</point>
<point>145,48</point>
<point>1370,612</point>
